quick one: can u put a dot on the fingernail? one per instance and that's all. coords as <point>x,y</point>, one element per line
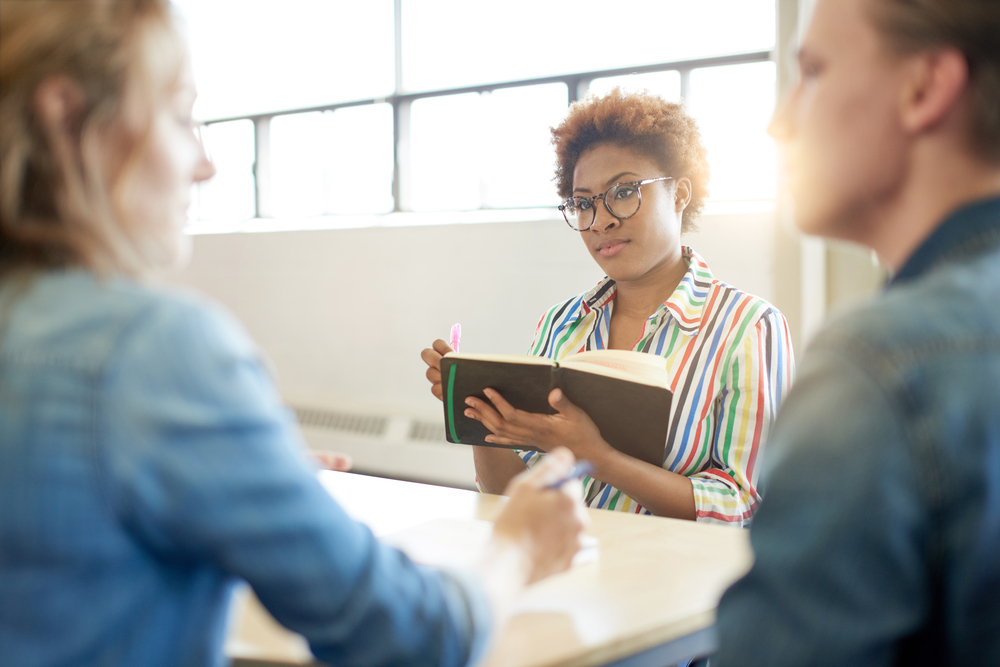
<point>469,401</point>
<point>468,413</point>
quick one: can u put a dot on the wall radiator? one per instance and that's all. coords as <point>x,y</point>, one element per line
<point>388,445</point>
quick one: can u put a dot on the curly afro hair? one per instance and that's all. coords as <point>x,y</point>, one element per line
<point>643,122</point>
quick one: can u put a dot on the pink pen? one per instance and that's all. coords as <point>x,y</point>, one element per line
<point>456,335</point>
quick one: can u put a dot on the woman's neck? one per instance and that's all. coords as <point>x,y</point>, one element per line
<point>638,299</point>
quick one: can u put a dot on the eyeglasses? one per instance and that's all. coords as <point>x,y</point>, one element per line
<point>622,201</point>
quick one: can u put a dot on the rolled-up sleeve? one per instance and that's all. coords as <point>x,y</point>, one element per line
<point>203,463</point>
<point>756,375</point>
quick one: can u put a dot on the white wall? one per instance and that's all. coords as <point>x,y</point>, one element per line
<point>343,314</point>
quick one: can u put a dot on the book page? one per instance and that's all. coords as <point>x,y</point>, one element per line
<point>504,358</point>
<point>626,365</point>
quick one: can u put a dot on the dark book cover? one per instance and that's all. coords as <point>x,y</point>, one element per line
<point>632,417</point>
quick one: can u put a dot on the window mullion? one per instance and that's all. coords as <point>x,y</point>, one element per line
<point>400,119</point>
<point>401,177</point>
<point>685,83</point>
<point>262,166</point>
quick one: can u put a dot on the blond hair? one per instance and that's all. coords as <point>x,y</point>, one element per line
<point>58,206</point>
<point>972,27</point>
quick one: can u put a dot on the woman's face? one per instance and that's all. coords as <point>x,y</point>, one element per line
<point>637,247</point>
<point>156,194</point>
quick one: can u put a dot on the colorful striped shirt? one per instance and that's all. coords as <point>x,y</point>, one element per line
<point>730,361</point>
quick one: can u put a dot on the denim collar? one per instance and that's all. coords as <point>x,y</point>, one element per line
<point>968,231</point>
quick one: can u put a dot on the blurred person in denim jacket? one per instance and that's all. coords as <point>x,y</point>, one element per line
<point>146,461</point>
<point>878,540</point>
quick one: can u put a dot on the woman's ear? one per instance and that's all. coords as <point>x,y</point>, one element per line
<point>682,194</point>
<point>59,101</point>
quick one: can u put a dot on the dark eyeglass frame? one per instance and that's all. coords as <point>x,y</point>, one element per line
<point>604,197</point>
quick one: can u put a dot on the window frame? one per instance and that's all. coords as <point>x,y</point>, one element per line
<point>577,84</point>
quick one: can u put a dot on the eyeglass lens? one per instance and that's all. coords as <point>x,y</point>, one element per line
<point>622,201</point>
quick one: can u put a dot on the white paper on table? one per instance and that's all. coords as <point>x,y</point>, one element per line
<point>459,543</point>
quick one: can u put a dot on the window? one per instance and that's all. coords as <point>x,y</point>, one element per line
<point>733,106</point>
<point>261,56</point>
<point>519,158</point>
<point>444,158</point>
<point>484,150</point>
<point>229,195</point>
<point>665,84</point>
<point>453,43</point>
<point>324,108</point>
<point>332,162</point>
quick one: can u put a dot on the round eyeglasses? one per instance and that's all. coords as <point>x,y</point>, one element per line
<point>622,201</point>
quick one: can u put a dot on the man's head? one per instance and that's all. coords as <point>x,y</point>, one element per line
<point>887,85</point>
<point>969,26</point>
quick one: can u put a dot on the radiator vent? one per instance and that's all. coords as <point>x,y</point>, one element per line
<point>427,431</point>
<point>372,425</point>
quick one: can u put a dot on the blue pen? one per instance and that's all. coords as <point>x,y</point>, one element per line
<point>581,469</point>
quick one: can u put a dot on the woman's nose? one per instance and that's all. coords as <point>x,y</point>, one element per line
<point>603,219</point>
<point>205,168</point>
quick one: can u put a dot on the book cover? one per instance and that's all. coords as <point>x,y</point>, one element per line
<point>632,415</point>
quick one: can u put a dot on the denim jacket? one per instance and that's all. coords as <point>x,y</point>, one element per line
<point>147,464</point>
<point>878,539</point>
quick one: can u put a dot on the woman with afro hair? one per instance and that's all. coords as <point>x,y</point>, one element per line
<point>633,173</point>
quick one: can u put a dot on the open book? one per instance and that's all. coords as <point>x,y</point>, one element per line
<point>625,393</point>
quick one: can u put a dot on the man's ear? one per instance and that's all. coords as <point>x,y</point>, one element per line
<point>59,101</point>
<point>682,194</point>
<point>936,81</point>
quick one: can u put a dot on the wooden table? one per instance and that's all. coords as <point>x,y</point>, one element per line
<point>648,599</point>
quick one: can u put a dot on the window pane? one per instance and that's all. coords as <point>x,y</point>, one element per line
<point>665,84</point>
<point>229,195</point>
<point>254,56</point>
<point>733,106</point>
<point>450,43</point>
<point>520,160</point>
<point>297,164</point>
<point>336,162</point>
<point>359,160</point>
<point>445,153</point>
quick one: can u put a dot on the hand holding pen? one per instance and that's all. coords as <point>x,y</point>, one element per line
<point>432,357</point>
<point>579,471</point>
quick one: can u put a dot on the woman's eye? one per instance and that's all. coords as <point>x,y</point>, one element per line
<point>584,205</point>
<point>624,193</point>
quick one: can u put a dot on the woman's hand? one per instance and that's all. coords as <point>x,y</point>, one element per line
<point>432,357</point>
<point>333,461</point>
<point>570,427</point>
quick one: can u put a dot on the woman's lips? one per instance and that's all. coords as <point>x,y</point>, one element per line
<point>611,247</point>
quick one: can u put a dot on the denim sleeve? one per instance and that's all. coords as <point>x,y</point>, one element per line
<point>839,539</point>
<point>202,463</point>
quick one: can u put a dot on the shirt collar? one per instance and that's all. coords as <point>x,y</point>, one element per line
<point>967,231</point>
<point>686,304</point>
